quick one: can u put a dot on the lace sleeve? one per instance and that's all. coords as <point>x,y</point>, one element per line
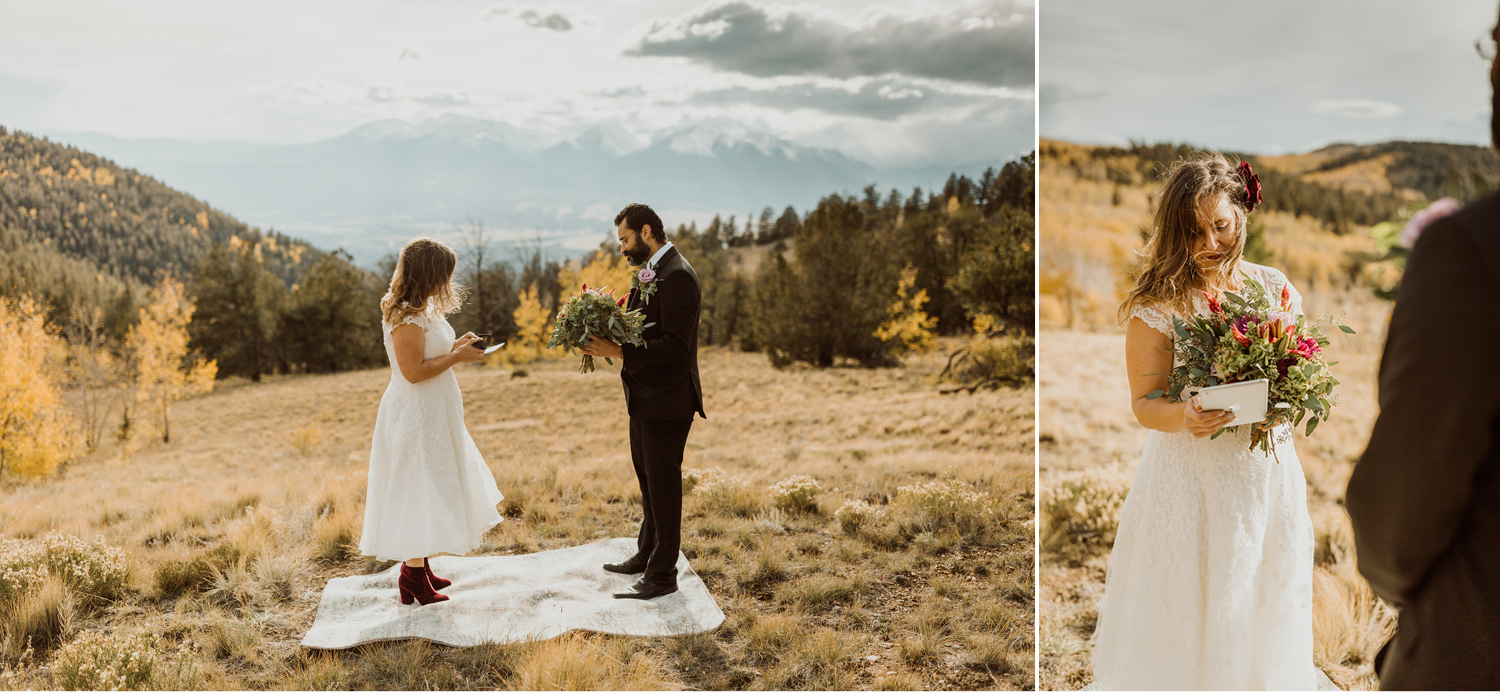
<point>1154,319</point>
<point>419,319</point>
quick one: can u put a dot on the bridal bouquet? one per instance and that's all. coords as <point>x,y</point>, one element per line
<point>595,311</point>
<point>1247,337</point>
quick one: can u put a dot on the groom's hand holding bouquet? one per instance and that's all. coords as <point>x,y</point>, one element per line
<point>1247,337</point>
<point>595,321</point>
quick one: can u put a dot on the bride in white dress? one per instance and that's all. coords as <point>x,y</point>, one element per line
<point>429,489</point>
<point>1209,583</point>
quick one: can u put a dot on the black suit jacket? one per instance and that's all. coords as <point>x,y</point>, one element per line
<point>1425,496</point>
<point>661,379</point>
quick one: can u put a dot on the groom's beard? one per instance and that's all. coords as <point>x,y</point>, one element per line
<point>638,256</point>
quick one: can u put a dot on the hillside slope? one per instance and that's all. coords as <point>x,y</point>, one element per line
<point>79,229</point>
<point>1096,204</point>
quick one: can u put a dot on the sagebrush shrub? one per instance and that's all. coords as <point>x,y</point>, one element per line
<point>723,492</point>
<point>91,567</point>
<point>1083,509</point>
<point>97,660</point>
<point>856,514</point>
<point>796,494</point>
<point>23,567</point>
<point>937,505</point>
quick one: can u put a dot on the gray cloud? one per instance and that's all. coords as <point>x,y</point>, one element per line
<point>553,21</point>
<point>883,99</point>
<point>531,16</point>
<point>989,42</point>
<point>1358,109</point>
<point>1289,76</point>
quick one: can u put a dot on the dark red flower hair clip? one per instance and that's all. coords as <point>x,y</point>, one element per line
<point>1252,186</point>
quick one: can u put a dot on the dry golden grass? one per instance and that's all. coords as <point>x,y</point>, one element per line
<point>1089,435</point>
<point>231,531</point>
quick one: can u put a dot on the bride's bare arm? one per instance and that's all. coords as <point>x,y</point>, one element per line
<point>1148,359</point>
<point>410,343</point>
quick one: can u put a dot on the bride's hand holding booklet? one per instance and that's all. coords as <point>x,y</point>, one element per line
<point>1246,338</point>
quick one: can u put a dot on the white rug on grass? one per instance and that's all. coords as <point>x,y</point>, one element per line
<point>1324,684</point>
<point>512,598</point>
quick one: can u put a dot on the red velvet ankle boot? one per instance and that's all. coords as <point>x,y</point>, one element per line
<point>413,584</point>
<point>438,583</point>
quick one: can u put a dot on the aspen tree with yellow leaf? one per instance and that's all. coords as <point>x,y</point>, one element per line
<point>908,327</point>
<point>604,269</point>
<point>531,329</point>
<point>159,346</point>
<point>36,433</point>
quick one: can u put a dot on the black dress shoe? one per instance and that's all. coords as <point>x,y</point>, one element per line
<point>631,566</point>
<point>645,590</point>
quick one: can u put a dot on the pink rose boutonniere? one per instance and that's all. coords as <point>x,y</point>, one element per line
<point>644,284</point>
<point>1422,219</point>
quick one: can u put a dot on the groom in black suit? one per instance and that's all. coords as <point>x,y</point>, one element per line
<point>1425,497</point>
<point>662,393</point>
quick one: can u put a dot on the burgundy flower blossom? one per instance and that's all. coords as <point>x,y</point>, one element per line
<point>1284,364</point>
<point>1252,186</point>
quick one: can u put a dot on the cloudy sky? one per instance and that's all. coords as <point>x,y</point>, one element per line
<point>1269,76</point>
<point>909,83</point>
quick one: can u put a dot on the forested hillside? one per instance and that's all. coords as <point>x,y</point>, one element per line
<point>80,232</point>
<point>1342,185</point>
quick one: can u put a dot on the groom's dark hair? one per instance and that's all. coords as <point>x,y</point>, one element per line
<point>637,216</point>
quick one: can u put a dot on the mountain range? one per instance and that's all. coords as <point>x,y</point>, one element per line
<point>369,190</point>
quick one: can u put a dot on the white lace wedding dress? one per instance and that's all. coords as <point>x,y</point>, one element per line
<point>429,489</point>
<point>1209,585</point>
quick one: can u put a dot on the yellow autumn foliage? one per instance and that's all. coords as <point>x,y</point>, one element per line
<point>607,269</point>
<point>36,433</point>
<point>532,322</point>
<point>908,328</point>
<point>158,344</point>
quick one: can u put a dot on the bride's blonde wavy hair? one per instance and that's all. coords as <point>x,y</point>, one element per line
<point>1169,275</point>
<point>423,279</point>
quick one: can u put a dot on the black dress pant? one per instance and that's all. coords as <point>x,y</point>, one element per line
<point>656,450</point>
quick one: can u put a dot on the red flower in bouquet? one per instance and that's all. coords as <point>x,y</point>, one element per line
<point>1239,335</point>
<point>1286,298</point>
<point>1214,306</point>
<point>1307,348</point>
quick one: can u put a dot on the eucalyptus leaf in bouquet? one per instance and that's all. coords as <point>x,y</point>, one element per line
<point>595,311</point>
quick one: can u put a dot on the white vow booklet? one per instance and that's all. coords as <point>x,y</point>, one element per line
<point>1248,400</point>
<point>494,348</point>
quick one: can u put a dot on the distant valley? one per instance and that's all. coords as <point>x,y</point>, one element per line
<point>372,188</point>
